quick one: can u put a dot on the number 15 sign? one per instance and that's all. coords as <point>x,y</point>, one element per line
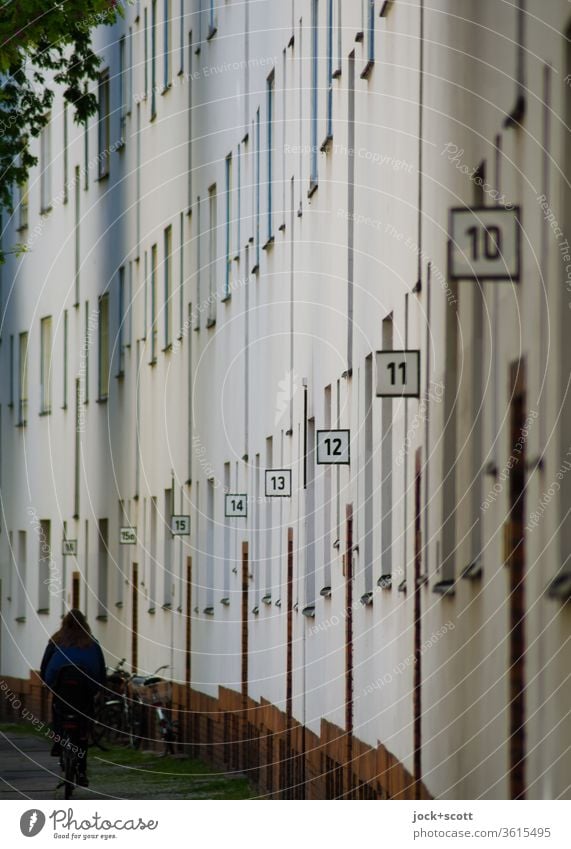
<point>484,243</point>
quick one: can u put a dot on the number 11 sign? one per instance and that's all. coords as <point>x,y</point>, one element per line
<point>398,374</point>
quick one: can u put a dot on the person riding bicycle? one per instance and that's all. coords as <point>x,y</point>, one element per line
<point>73,648</point>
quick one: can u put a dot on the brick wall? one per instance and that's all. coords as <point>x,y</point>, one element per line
<point>280,763</point>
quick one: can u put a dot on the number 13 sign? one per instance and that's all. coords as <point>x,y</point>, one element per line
<point>484,243</point>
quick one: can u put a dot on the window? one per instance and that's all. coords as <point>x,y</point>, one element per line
<point>198,264</point>
<point>168,576</point>
<point>212,19</point>
<point>86,156</point>
<point>122,91</point>
<point>103,372</point>
<point>44,566</point>
<point>181,276</point>
<point>46,166</point>
<point>257,198</point>
<point>45,364</point>
<point>370,27</point>
<point>239,203</point>
<point>102,569</point>
<point>168,286</point>
<point>153,59</point>
<point>145,52</point>
<point>121,317</point>
<point>20,564</point>
<point>154,329</point>
<point>167,27</point>
<point>314,93</point>
<point>130,74</point>
<point>23,207</point>
<point>181,38</point>
<point>103,129</point>
<point>228,247</point>
<point>65,342</point>
<point>329,130</point>
<point>23,377</point>
<point>210,545</point>
<point>189,83</point>
<point>76,232</point>
<point>65,154</point>
<point>128,306</point>
<point>212,256</point>
<point>337,69</point>
<point>11,402</point>
<point>270,151</point>
<point>77,448</point>
<point>153,556</point>
<point>85,354</point>
<point>369,483</point>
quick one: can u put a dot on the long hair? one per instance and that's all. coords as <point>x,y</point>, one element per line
<point>74,631</point>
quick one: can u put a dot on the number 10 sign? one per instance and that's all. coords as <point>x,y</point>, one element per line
<point>484,243</point>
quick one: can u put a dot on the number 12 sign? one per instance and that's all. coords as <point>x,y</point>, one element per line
<point>333,447</point>
<point>484,243</point>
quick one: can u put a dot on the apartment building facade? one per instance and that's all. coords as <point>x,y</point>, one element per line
<point>206,273</point>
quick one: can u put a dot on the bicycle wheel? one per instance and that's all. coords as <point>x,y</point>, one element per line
<point>69,773</point>
<point>136,725</point>
<point>107,729</point>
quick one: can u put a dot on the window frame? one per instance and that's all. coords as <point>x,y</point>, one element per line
<point>168,288</point>
<point>103,124</point>
<point>314,99</point>
<point>46,343</point>
<point>228,168</point>
<point>154,328</point>
<point>212,252</point>
<point>46,166</point>
<point>270,105</point>
<point>23,377</point>
<point>121,323</point>
<point>167,43</point>
<point>103,338</point>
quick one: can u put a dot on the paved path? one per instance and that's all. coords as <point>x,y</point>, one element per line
<point>27,771</point>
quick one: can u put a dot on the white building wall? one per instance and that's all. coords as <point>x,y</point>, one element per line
<point>198,409</point>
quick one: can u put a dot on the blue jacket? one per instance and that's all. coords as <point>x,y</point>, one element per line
<point>89,659</point>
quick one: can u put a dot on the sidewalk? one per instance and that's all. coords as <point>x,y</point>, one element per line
<point>27,771</point>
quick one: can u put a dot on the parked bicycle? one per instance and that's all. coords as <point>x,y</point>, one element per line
<point>119,714</point>
<point>160,698</point>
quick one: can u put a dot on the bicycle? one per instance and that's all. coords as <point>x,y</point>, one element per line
<point>168,728</point>
<point>72,750</point>
<point>72,707</point>
<point>118,720</point>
